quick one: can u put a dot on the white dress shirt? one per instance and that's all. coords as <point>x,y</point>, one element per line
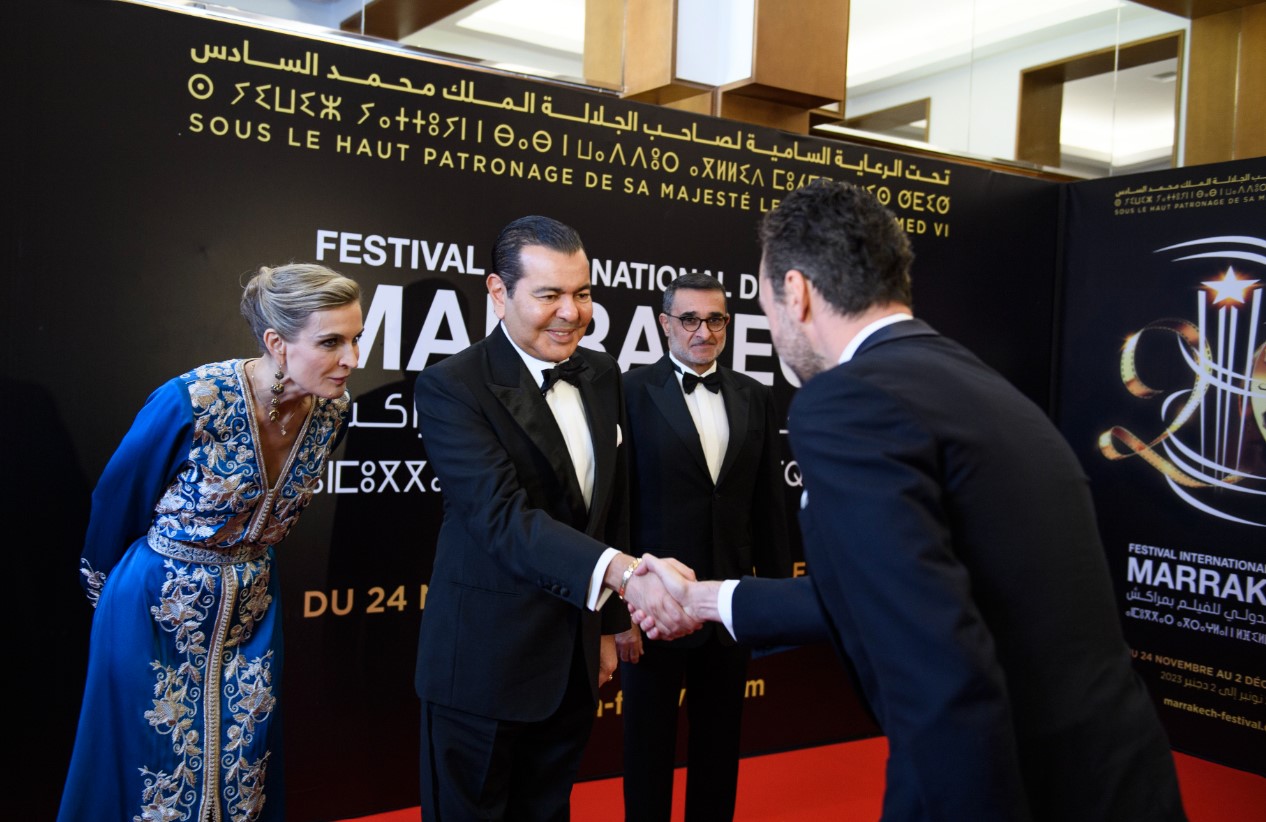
<point>708,412</point>
<point>564,400</point>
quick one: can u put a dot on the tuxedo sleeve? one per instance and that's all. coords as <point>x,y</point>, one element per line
<point>878,535</point>
<point>778,612</point>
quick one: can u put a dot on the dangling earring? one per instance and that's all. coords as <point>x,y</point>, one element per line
<point>277,388</point>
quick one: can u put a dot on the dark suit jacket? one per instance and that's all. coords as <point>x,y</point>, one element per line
<point>506,604</point>
<point>738,526</point>
<point>953,552</point>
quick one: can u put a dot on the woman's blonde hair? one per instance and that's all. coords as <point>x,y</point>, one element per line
<point>282,298</point>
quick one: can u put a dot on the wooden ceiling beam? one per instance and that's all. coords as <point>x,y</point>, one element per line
<point>397,19</point>
<point>1191,9</point>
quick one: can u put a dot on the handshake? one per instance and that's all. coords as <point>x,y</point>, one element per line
<point>666,601</point>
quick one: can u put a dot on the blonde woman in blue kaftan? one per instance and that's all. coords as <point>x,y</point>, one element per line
<point>179,718</point>
<point>182,683</point>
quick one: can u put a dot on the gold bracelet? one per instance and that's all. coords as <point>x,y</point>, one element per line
<point>628,574</point>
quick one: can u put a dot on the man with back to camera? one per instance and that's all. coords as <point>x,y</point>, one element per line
<point>524,430</point>
<point>954,558</point>
<point>706,488</point>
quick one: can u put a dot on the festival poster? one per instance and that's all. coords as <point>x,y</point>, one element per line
<point>167,154</point>
<point>1162,391</point>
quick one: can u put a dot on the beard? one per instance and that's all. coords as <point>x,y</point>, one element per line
<point>795,351</point>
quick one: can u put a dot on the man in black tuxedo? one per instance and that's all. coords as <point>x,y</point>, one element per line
<point>524,432</point>
<point>706,488</point>
<point>953,553</point>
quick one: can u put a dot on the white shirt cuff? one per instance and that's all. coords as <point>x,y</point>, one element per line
<point>598,593</point>
<point>725,604</point>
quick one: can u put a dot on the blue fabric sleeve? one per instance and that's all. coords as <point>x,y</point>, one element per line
<point>782,612</point>
<point>134,479</point>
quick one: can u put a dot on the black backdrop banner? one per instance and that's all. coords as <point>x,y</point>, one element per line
<point>1164,397</point>
<point>164,155</point>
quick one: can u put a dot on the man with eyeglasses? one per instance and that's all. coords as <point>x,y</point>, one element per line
<point>706,489</point>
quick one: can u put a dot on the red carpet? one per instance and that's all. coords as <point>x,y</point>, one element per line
<point>845,782</point>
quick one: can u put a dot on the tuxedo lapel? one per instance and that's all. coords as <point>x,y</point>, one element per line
<point>511,383</point>
<point>602,433</point>
<point>737,402</point>
<point>665,392</point>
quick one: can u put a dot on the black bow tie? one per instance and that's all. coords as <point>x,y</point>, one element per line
<point>569,370</point>
<point>712,382</point>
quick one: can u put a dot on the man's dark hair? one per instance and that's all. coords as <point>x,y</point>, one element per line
<point>694,281</point>
<point>507,262</point>
<point>848,245</point>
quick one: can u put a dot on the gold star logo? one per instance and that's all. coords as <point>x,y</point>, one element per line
<point>1229,289</point>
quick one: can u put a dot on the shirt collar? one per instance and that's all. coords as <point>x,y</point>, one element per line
<point>535,366</point>
<point>882,322</point>
<point>684,369</point>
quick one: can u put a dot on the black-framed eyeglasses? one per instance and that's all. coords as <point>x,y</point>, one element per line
<point>691,323</point>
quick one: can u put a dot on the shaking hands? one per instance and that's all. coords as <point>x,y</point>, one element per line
<point>666,600</point>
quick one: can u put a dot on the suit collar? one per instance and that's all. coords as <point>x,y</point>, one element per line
<point>535,367</point>
<point>897,331</point>
<point>665,391</point>
<point>601,433</point>
<point>737,404</point>
<point>519,392</point>
<point>507,367</point>
<point>683,368</point>
<point>514,386</point>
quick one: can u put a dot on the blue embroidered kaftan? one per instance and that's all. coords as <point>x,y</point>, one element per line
<point>179,718</point>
